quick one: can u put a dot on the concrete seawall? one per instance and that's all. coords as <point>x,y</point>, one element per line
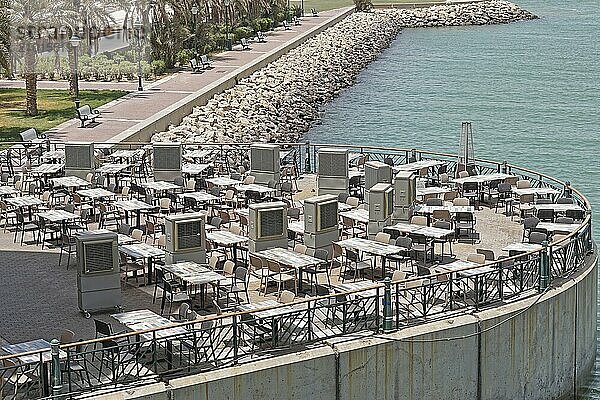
<point>536,348</point>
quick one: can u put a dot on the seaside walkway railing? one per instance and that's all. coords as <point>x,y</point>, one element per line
<point>212,342</point>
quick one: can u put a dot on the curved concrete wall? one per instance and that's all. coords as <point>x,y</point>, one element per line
<point>541,351</point>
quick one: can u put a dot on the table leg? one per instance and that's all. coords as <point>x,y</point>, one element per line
<point>138,219</point>
<point>45,379</point>
<point>300,271</point>
<point>150,270</point>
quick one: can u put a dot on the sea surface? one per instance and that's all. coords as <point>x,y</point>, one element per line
<point>531,90</point>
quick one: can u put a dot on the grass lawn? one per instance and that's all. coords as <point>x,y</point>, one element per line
<point>322,5</point>
<point>55,107</point>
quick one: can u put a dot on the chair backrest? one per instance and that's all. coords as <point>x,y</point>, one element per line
<point>564,220</point>
<point>183,311</point>
<point>103,328</point>
<point>241,274</point>
<point>537,237</point>
<point>443,215</point>
<point>564,200</point>
<point>249,179</point>
<point>434,202</point>
<point>321,254</point>
<point>293,213</point>
<point>287,297</point>
<point>382,237</point>
<point>299,248</point>
<point>228,267</point>
<point>255,262</point>
<point>558,237</point>
<point>545,214</point>
<point>404,241</point>
<point>460,201</point>
<point>444,178</point>
<point>352,201</point>
<point>504,187</point>
<point>213,261</point>
<point>235,229</point>
<point>543,201</point>
<point>124,229</point>
<point>523,184</point>
<point>450,196</point>
<point>418,220</point>
<point>28,135</point>
<point>476,258</point>
<point>342,197</point>
<point>398,275</point>
<point>526,198</point>
<point>162,241</point>
<point>417,283</point>
<point>442,224</point>
<point>463,174</point>
<point>67,336</point>
<point>165,203</point>
<point>137,234</point>
<point>488,254</point>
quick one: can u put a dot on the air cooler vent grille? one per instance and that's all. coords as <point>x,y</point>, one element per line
<point>271,223</point>
<point>262,160</point>
<point>333,165</point>
<point>167,158</point>
<point>328,216</point>
<point>189,235</point>
<point>78,157</point>
<point>98,257</point>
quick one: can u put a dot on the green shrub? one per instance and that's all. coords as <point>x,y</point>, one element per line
<point>184,56</point>
<point>158,67</point>
<point>262,24</point>
<point>128,69</point>
<point>363,5</point>
<point>242,32</point>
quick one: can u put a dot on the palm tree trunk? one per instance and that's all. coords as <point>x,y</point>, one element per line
<point>30,80</point>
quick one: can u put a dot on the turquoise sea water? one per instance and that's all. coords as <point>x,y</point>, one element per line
<point>531,89</point>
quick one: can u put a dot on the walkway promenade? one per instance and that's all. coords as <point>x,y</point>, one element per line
<point>136,107</point>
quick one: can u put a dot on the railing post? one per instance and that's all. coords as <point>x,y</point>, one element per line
<point>544,277</point>
<point>388,318</point>
<point>307,159</point>
<point>504,167</point>
<point>56,373</point>
<point>568,190</point>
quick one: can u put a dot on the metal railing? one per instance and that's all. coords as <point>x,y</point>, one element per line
<point>214,342</point>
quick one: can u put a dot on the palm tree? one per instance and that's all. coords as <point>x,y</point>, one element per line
<point>4,36</point>
<point>37,15</point>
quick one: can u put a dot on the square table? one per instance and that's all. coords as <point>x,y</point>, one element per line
<point>296,226</point>
<point>113,169</point>
<point>160,186</point>
<point>223,181</point>
<point>372,247</point>
<point>364,288</point>
<point>133,206</point>
<point>558,208</point>
<point>53,156</point>
<point>195,275</point>
<point>199,153</point>
<point>553,227</point>
<point>125,155</point>
<point>432,190</point>
<point>358,215</point>
<point>292,259</point>
<point>253,187</point>
<point>522,247</point>
<point>417,165</point>
<point>121,237</point>
<point>61,216</point>
<point>144,251</point>
<point>226,239</point>
<point>142,320</point>
<point>273,310</point>
<point>44,356</point>
<point>200,197</point>
<point>194,169</point>
<point>25,202</point>
<point>69,182</point>
<point>8,191</point>
<point>47,169</point>
<point>539,191</point>
<point>96,193</point>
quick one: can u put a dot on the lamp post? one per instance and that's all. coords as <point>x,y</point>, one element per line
<point>137,25</point>
<point>227,40</point>
<point>195,17</point>
<point>74,41</point>
<point>289,12</point>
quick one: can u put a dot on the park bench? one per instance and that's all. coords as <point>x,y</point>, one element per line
<point>85,113</point>
<point>314,12</point>
<point>205,61</point>
<point>260,37</point>
<point>195,66</point>
<point>296,21</point>
<point>286,26</point>
<point>245,44</point>
<point>31,135</point>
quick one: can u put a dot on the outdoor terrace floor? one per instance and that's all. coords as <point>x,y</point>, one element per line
<point>39,297</point>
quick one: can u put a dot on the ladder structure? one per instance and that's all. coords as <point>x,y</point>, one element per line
<point>465,151</point>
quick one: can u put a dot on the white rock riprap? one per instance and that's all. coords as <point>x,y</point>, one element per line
<point>280,102</point>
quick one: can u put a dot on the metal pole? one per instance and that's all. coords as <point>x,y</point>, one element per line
<point>544,267</point>
<point>76,58</point>
<point>56,373</point>
<point>307,159</point>
<point>388,318</point>
<point>139,42</point>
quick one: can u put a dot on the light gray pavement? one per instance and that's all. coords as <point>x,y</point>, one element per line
<point>134,107</point>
